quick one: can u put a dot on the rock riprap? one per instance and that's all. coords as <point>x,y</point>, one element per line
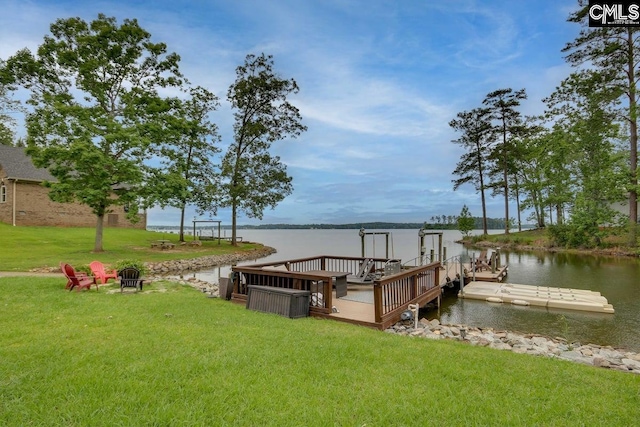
<point>589,354</point>
<point>177,265</point>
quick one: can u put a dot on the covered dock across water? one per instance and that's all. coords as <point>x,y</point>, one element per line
<point>379,303</point>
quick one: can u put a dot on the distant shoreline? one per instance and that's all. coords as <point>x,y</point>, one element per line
<point>351,226</point>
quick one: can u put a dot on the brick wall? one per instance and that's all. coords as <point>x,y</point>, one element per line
<point>33,207</point>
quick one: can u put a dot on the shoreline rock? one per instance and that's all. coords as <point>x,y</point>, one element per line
<point>532,344</point>
<point>178,265</point>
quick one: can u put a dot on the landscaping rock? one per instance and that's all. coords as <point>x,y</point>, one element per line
<point>536,345</point>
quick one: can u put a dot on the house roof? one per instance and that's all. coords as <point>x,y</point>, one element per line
<point>17,165</point>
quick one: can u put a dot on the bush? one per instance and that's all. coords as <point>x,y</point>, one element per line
<point>571,236</point>
<point>84,268</point>
<point>121,264</point>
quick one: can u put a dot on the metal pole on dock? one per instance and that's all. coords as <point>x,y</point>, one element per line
<point>461,276</point>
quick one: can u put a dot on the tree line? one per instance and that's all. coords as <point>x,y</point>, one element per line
<point>101,118</point>
<point>571,164</point>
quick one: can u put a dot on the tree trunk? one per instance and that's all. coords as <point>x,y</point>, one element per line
<point>484,213</point>
<point>633,141</point>
<point>99,225</point>
<point>517,189</point>
<point>505,177</point>
<point>234,211</point>
<point>182,223</point>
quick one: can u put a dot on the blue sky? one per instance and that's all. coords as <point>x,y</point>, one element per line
<point>379,80</point>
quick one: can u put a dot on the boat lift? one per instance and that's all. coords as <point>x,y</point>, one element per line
<point>363,233</point>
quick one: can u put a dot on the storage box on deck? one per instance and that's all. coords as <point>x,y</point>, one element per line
<point>292,303</point>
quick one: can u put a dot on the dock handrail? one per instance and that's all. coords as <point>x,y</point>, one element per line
<point>393,294</point>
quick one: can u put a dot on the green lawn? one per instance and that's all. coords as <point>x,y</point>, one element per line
<point>25,248</point>
<point>175,357</point>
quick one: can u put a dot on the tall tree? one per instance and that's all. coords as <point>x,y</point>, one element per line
<point>477,131</point>
<point>8,106</point>
<point>503,104</point>
<point>589,132</point>
<point>94,91</point>
<point>253,179</point>
<point>614,52</point>
<point>187,174</point>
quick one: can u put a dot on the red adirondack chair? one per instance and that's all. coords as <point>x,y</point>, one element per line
<point>97,268</point>
<point>77,280</point>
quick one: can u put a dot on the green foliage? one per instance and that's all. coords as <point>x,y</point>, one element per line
<point>571,236</point>
<point>503,110</point>
<point>83,268</point>
<point>94,93</point>
<point>187,173</point>
<point>7,106</point>
<point>124,263</point>
<point>465,221</point>
<point>477,136</point>
<point>170,356</point>
<point>611,57</point>
<point>252,179</point>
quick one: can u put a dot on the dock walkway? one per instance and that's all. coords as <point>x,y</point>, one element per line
<point>566,298</point>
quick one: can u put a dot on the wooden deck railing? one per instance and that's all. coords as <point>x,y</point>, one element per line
<point>392,294</point>
<point>325,262</point>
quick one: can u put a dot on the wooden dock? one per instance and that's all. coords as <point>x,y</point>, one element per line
<point>542,296</point>
<point>450,275</point>
<point>377,304</point>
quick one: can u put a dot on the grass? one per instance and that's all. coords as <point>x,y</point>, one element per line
<point>539,239</point>
<point>37,247</point>
<point>533,237</point>
<point>172,357</point>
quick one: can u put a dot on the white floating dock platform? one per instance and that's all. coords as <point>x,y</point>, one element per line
<point>542,296</point>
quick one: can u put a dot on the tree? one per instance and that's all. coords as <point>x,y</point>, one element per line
<point>94,92</point>
<point>589,135</point>
<point>613,52</point>
<point>7,107</point>
<point>502,105</point>
<point>466,221</point>
<point>476,129</point>
<point>187,174</point>
<point>252,179</point>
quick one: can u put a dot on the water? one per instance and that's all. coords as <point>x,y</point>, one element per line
<point>618,279</point>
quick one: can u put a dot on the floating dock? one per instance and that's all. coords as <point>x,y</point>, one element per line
<point>542,296</point>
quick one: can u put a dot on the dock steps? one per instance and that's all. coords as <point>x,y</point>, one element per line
<point>542,296</point>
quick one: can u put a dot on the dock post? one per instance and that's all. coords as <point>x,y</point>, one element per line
<point>498,257</point>
<point>431,255</point>
<point>461,276</point>
<point>387,244</point>
<point>473,268</point>
<point>444,255</point>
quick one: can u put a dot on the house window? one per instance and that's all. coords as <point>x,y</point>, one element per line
<point>3,193</point>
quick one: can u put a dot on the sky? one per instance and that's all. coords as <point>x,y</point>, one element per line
<point>379,83</point>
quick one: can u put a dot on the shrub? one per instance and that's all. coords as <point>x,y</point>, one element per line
<point>121,264</point>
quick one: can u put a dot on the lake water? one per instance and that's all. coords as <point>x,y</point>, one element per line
<point>618,279</point>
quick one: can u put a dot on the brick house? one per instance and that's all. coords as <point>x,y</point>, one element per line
<point>25,201</point>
